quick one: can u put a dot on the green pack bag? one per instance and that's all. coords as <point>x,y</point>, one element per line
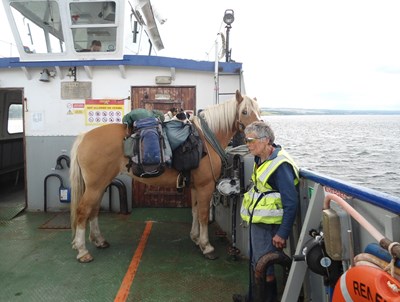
<point>140,113</point>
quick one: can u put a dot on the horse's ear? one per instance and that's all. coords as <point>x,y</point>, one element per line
<point>239,97</point>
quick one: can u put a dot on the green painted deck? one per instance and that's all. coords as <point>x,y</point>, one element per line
<point>38,263</point>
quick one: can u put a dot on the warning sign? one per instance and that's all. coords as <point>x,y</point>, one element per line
<point>104,111</point>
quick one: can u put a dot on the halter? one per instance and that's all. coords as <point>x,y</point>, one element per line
<point>239,125</point>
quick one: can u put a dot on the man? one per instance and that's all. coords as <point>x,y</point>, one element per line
<point>95,46</point>
<point>270,205</point>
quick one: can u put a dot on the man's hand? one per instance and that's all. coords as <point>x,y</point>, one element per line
<point>279,242</point>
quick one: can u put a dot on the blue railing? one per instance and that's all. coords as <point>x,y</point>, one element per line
<point>379,199</point>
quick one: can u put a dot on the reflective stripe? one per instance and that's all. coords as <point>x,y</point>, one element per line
<point>271,166</point>
<point>343,288</point>
<point>262,213</point>
<point>255,195</point>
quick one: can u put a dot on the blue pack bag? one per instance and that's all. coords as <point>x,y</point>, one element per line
<point>148,158</point>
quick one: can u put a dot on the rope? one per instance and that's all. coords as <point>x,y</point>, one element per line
<point>210,137</point>
<point>390,267</point>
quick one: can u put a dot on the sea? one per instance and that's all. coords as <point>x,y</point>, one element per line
<point>361,149</point>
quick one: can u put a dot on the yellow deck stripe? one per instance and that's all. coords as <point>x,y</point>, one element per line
<point>123,291</point>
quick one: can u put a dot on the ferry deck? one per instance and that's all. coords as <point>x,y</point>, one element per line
<point>151,258</point>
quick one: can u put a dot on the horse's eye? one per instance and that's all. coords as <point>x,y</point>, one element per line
<point>244,112</point>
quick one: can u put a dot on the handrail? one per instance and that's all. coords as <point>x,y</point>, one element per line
<point>45,188</point>
<point>379,199</point>
<point>123,200</point>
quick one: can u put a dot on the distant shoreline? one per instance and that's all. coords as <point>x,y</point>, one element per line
<point>298,111</point>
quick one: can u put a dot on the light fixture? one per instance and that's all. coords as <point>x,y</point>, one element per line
<point>228,19</point>
<point>72,72</point>
<point>46,74</point>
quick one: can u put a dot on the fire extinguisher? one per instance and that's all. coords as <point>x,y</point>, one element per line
<point>65,194</point>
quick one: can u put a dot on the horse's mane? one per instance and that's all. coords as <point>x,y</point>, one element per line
<point>221,117</point>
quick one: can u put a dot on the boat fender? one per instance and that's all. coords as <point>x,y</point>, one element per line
<point>378,251</point>
<point>366,283</point>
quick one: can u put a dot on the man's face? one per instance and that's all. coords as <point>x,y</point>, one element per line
<point>96,48</point>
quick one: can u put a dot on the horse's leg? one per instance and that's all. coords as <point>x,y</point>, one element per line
<point>195,231</point>
<point>79,244</point>
<point>95,234</point>
<point>203,210</point>
<point>87,208</point>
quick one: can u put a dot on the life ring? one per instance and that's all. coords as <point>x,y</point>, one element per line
<point>366,283</point>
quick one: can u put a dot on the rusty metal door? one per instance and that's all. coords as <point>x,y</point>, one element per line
<point>161,98</point>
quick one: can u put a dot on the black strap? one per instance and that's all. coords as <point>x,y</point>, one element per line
<point>210,137</point>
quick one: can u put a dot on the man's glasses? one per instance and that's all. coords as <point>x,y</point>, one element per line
<point>250,140</point>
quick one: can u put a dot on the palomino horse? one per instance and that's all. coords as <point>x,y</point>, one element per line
<point>97,157</point>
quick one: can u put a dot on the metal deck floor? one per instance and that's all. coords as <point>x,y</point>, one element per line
<point>39,264</point>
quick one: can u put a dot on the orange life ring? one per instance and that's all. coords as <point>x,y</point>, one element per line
<point>366,283</point>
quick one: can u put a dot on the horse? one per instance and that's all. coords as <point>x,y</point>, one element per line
<point>97,157</point>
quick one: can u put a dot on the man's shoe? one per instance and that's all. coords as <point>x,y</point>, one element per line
<point>239,298</point>
<point>271,289</point>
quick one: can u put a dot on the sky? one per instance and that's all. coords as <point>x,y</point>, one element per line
<point>313,54</point>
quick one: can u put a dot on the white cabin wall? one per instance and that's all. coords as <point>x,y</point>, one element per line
<point>43,99</point>
<point>50,130</point>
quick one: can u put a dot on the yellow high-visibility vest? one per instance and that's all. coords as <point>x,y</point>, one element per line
<point>267,201</point>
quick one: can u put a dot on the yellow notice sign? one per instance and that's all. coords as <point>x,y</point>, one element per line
<point>104,111</point>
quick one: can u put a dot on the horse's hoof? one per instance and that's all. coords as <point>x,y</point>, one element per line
<point>103,245</point>
<point>211,256</point>
<point>86,258</point>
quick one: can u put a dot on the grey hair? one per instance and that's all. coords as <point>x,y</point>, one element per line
<point>261,129</point>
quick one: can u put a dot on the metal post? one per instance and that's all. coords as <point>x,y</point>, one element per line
<point>227,50</point>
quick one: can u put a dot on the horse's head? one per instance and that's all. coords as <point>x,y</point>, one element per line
<point>247,111</point>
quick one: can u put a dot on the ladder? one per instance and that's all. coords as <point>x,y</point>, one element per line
<point>222,86</point>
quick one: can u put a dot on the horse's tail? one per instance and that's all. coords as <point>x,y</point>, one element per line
<point>76,181</point>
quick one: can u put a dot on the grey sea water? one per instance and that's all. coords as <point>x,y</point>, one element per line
<point>360,149</point>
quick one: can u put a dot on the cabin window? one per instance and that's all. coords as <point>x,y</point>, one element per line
<point>15,119</point>
<point>93,23</point>
<point>39,26</point>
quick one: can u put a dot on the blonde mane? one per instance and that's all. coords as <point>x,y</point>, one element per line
<point>222,117</point>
